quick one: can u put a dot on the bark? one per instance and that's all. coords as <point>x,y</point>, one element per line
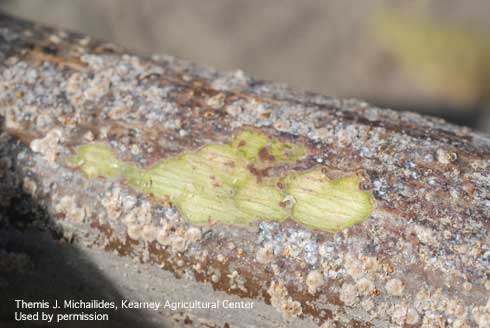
<point>421,258</point>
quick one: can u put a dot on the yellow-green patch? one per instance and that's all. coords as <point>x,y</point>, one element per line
<point>216,183</point>
<point>448,56</point>
<point>329,204</point>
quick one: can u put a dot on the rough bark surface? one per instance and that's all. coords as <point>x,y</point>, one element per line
<point>422,258</point>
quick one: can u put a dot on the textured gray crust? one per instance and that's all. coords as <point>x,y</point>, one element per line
<point>422,259</point>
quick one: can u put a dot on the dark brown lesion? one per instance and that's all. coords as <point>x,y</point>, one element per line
<point>265,154</point>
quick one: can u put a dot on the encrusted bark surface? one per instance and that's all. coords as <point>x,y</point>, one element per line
<point>422,258</point>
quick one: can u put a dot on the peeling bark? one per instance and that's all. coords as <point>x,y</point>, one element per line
<point>422,258</point>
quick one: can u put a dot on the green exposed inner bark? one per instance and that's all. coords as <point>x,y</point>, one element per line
<point>219,183</point>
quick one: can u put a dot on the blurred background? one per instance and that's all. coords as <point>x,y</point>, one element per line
<point>427,56</point>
